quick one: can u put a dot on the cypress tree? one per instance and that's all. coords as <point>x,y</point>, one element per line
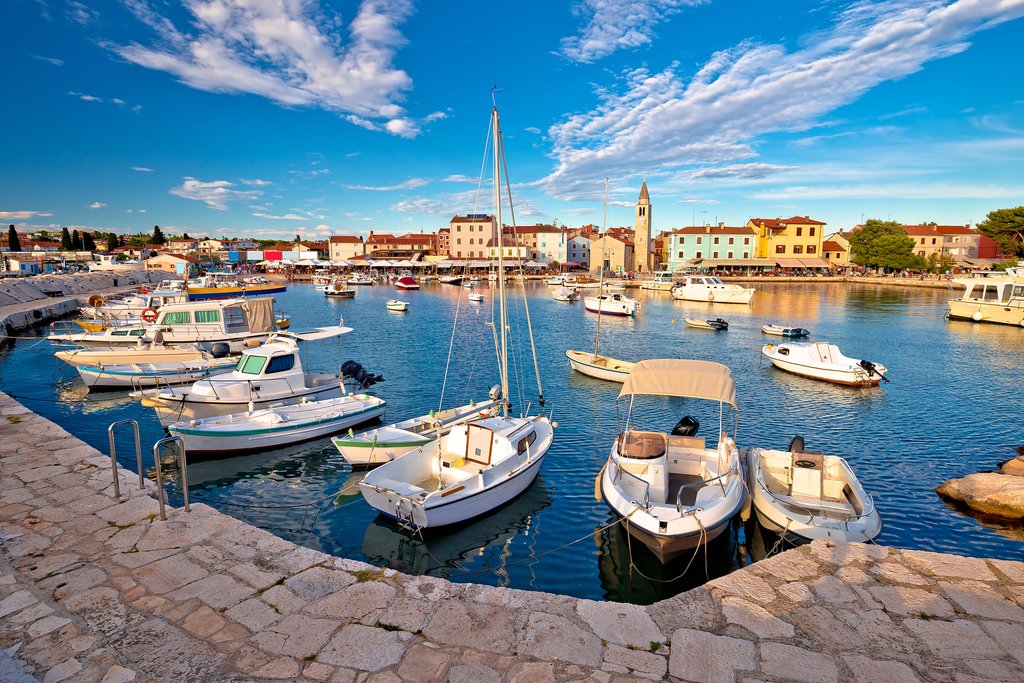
<point>13,242</point>
<point>158,235</point>
<point>88,243</point>
<point>76,241</point>
<point>111,242</point>
<point>65,240</point>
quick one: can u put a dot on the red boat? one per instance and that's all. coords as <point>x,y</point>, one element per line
<point>407,282</point>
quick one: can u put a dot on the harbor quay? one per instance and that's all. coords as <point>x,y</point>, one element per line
<point>98,589</point>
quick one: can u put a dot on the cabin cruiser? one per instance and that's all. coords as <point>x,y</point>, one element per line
<point>239,323</point>
<point>995,298</point>
<point>673,493</point>
<point>225,286</point>
<point>127,308</point>
<point>824,361</point>
<point>265,377</point>
<point>611,304</point>
<point>661,282</point>
<point>711,289</point>
<point>803,495</point>
<point>360,279</point>
<point>451,279</point>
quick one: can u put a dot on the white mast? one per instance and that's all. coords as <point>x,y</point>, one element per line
<point>502,315</point>
<point>600,286</point>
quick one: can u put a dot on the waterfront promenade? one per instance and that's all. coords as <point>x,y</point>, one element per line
<point>93,590</point>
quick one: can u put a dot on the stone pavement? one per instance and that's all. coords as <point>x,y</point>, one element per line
<point>97,592</point>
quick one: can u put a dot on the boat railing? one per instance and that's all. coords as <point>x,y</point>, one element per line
<point>679,494</point>
<point>158,451</point>
<point>628,486</point>
<point>113,453</point>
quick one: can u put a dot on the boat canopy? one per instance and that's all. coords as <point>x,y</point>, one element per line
<point>684,378</point>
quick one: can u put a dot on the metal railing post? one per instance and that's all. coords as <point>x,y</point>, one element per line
<point>113,453</point>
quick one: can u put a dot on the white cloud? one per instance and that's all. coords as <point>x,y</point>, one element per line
<point>906,111</point>
<point>292,52</point>
<point>699,201</point>
<point>97,205</point>
<point>532,129</point>
<point>216,194</point>
<point>615,25</point>
<point>49,60</point>
<point>932,191</point>
<point>81,14</point>
<point>410,184</point>
<point>257,182</point>
<point>754,89</point>
<point>285,217</point>
<point>135,211</point>
<point>459,178</point>
<point>22,215</point>
<point>142,169</point>
<point>83,96</point>
<point>745,171</point>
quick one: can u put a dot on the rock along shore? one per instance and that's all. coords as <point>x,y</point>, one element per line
<point>93,590</point>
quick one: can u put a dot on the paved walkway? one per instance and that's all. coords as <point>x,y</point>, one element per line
<point>93,591</point>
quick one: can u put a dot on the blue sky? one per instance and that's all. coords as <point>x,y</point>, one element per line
<point>268,118</point>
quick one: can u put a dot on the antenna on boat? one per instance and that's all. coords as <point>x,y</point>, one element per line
<point>502,313</point>
<point>600,286</point>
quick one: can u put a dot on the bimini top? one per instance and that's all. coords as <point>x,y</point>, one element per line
<point>685,378</point>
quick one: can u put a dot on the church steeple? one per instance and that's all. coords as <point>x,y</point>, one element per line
<point>642,232</point>
<point>644,197</point>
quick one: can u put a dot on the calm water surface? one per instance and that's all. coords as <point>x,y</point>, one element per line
<point>953,408</point>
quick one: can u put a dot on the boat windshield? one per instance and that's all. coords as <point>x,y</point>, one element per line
<point>715,281</point>
<point>251,365</point>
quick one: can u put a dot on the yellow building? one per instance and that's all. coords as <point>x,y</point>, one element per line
<point>613,253</point>
<point>799,237</point>
<point>836,249</point>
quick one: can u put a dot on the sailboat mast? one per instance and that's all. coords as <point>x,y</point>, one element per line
<point>502,314</point>
<point>600,287</point>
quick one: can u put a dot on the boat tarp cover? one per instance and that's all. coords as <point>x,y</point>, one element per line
<point>259,313</point>
<point>685,378</point>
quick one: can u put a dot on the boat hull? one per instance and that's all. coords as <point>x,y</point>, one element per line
<point>113,379</point>
<point>204,293</point>
<point>170,410</point>
<point>982,312</point>
<point>716,296</point>
<point>850,378</point>
<point>611,370</point>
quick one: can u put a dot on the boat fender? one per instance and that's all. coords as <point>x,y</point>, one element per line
<point>149,315</point>
<point>976,316</point>
<point>597,483</point>
<point>711,296</point>
<point>96,300</point>
<point>797,444</point>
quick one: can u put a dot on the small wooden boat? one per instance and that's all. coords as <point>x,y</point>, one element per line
<point>397,306</point>
<point>384,444</point>
<point>717,324</point>
<point>279,426</point>
<point>566,295</point>
<point>340,289</point>
<point>601,367</point>
<point>130,376</point>
<point>810,496</point>
<point>476,297</point>
<point>406,282</point>
<point>824,361</point>
<point>780,331</point>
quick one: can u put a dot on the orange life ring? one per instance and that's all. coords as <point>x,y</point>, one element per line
<point>149,315</point>
<point>96,300</point>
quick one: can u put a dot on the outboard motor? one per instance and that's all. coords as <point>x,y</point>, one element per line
<point>687,426</point>
<point>797,444</point>
<point>350,369</point>
<point>219,350</point>
<point>872,370</point>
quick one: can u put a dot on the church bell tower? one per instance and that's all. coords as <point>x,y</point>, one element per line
<point>642,234</point>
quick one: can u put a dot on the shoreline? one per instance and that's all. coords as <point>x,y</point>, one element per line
<point>97,590</point>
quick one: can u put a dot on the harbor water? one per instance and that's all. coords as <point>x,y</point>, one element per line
<point>951,409</point>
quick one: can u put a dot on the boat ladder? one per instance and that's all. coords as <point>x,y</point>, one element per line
<point>404,515</point>
<point>158,451</point>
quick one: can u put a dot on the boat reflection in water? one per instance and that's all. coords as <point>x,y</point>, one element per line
<point>75,396</point>
<point>646,580</point>
<point>483,544</point>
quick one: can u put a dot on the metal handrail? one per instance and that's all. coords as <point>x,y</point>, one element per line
<point>679,493</point>
<point>619,471</point>
<point>113,454</point>
<point>158,448</point>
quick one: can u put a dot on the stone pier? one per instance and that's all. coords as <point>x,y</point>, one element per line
<point>98,591</point>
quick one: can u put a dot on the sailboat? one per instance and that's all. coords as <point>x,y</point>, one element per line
<point>482,464</point>
<point>594,364</point>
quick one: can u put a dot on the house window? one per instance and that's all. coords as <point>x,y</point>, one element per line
<point>811,232</point>
<point>729,255</point>
<point>730,240</point>
<point>716,240</point>
<point>746,240</point>
<point>714,255</point>
<point>780,248</point>
<point>798,249</point>
<point>698,240</point>
<point>697,255</point>
<point>681,255</point>
<point>458,240</point>
<point>682,240</point>
<point>811,249</point>
<point>933,240</point>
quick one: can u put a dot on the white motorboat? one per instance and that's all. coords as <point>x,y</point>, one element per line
<point>475,297</point>
<point>783,331</point>
<point>611,304</point>
<point>126,355</point>
<point>234,322</point>
<point>129,308</point>
<point>339,288</point>
<point>259,430</point>
<point>384,444</point>
<point>661,282</point>
<point>396,305</point>
<point>361,280</point>
<point>718,325</point>
<point>407,282</point>
<point>601,367</point>
<point>993,298</point>
<point>321,279</point>
<point>479,465</point>
<point>131,376</point>
<point>468,284</point>
<point>451,280</point>
<point>558,280</point>
<point>566,295</point>
<point>711,289</point>
<point>810,496</point>
<point>824,361</point>
<point>672,492</point>
<point>265,377</point>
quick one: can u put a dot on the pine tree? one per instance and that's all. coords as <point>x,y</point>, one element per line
<point>13,242</point>
<point>65,240</point>
<point>185,236</point>
<point>88,243</point>
<point>111,242</point>
<point>158,235</point>
<point>76,241</point>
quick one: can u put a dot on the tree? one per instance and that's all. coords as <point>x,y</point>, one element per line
<point>88,243</point>
<point>884,244</point>
<point>65,240</point>
<point>13,242</point>
<point>76,241</point>
<point>112,243</point>
<point>120,240</point>
<point>185,236</point>
<point>158,235</point>
<point>1005,226</point>
<point>297,239</point>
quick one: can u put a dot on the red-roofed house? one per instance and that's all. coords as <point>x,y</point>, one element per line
<point>443,241</point>
<point>612,252</point>
<point>470,235</point>
<point>958,242</point>
<point>344,247</point>
<point>793,242</point>
<point>714,242</point>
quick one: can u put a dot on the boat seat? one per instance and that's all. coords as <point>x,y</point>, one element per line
<point>402,488</point>
<point>642,445</point>
<point>840,507</point>
<point>696,442</point>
